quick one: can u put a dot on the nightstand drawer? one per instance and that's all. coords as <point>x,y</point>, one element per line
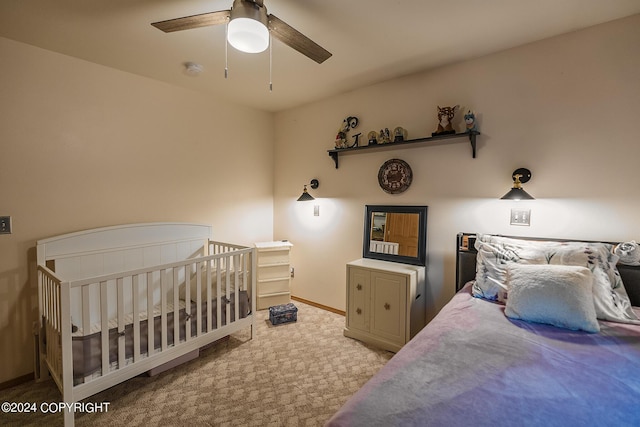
<point>274,271</point>
<point>273,286</point>
<point>270,256</point>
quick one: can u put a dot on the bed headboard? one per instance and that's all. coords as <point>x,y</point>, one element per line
<point>122,247</point>
<point>466,265</point>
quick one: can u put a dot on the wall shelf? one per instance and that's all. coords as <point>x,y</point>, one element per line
<point>434,140</point>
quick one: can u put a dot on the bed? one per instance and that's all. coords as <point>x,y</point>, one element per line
<point>487,359</point>
<point>115,302</point>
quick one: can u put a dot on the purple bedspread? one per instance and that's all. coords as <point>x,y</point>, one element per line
<point>472,366</point>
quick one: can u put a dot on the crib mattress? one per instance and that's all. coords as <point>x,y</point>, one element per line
<point>87,353</point>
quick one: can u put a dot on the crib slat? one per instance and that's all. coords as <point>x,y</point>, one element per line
<point>176,307</point>
<point>121,325</point>
<point>236,286</point>
<point>198,299</point>
<point>219,298</point>
<point>104,328</point>
<point>57,315</point>
<point>163,308</point>
<point>53,292</point>
<point>135,289</point>
<point>58,310</point>
<point>50,311</point>
<point>228,272</point>
<point>86,310</point>
<point>187,300</point>
<point>150,335</point>
<point>208,284</point>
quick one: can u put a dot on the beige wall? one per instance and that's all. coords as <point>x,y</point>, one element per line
<point>84,146</point>
<point>566,108</point>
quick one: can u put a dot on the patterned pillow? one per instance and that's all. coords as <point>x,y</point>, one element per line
<point>559,295</point>
<point>494,252</point>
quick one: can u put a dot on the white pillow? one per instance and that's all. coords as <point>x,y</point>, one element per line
<point>559,295</point>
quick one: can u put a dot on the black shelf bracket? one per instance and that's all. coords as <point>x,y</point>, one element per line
<point>335,154</point>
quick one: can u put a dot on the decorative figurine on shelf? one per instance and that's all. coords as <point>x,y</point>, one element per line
<point>341,138</point>
<point>399,134</point>
<point>356,138</point>
<point>384,137</point>
<point>445,119</point>
<point>372,137</point>
<point>470,122</point>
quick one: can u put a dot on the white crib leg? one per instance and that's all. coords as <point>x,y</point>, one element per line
<point>68,417</point>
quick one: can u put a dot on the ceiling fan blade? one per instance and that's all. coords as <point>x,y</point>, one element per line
<point>295,39</point>
<point>194,21</point>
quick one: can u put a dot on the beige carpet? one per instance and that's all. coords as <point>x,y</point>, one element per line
<point>295,374</point>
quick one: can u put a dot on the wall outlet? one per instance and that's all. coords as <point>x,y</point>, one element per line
<point>520,217</point>
<point>5,225</point>
<point>293,272</point>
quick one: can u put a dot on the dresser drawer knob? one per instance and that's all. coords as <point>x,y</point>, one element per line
<point>387,306</point>
<point>359,287</point>
<point>358,311</point>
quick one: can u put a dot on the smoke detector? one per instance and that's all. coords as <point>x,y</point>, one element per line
<point>192,69</point>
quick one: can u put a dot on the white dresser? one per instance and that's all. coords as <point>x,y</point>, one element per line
<point>385,302</point>
<point>274,274</point>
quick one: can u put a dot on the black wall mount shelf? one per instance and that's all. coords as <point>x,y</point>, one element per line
<point>335,153</point>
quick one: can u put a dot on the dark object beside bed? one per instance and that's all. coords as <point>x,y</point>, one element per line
<point>472,365</point>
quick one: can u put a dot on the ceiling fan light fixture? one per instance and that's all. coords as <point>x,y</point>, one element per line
<point>247,30</point>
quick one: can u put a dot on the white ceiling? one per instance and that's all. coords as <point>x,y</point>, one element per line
<point>371,41</point>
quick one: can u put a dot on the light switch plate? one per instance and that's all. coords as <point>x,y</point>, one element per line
<point>520,217</point>
<point>5,225</point>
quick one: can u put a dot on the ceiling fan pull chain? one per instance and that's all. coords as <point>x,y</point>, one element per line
<point>270,63</point>
<point>226,48</point>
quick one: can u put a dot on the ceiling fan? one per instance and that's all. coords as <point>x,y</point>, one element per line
<point>248,29</point>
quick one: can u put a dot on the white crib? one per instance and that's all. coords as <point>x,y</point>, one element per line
<point>115,302</point>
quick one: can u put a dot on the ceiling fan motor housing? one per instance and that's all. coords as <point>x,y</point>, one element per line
<point>247,29</point>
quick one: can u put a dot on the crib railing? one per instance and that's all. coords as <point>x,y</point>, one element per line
<point>179,293</point>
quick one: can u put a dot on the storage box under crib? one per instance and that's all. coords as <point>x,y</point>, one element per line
<point>283,313</point>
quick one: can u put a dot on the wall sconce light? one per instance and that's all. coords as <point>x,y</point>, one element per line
<point>305,195</point>
<point>520,176</point>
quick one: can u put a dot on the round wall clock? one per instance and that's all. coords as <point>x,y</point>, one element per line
<point>395,176</point>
